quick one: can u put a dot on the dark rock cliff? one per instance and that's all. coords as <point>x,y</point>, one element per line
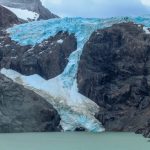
<point>7,18</point>
<point>24,111</point>
<point>114,72</point>
<point>47,59</point>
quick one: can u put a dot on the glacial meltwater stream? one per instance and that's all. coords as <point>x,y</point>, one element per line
<point>73,141</point>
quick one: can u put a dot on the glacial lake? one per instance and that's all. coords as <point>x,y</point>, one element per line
<point>73,141</point>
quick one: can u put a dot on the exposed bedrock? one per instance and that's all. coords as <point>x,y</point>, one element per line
<point>7,18</point>
<point>114,72</point>
<point>22,110</point>
<point>47,59</point>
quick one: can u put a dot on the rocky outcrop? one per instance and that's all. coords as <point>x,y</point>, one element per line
<point>146,130</point>
<point>24,111</point>
<point>114,72</point>
<point>31,5</point>
<point>47,59</point>
<point>7,18</point>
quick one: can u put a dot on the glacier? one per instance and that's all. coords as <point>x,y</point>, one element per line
<point>74,114</point>
<point>75,109</point>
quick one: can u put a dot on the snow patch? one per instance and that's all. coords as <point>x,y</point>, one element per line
<point>146,29</point>
<point>23,13</point>
<point>60,41</point>
<point>36,32</point>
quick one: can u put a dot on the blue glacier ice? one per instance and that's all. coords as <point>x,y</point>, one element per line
<point>75,110</point>
<point>36,32</point>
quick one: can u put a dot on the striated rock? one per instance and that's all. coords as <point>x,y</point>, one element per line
<point>47,59</point>
<point>24,111</point>
<point>31,5</point>
<point>7,18</point>
<point>114,72</point>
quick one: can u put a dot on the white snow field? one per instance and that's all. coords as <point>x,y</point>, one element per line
<point>23,13</point>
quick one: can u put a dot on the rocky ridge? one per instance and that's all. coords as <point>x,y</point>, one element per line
<point>47,59</point>
<point>7,18</point>
<point>114,72</point>
<point>22,110</point>
<point>31,5</point>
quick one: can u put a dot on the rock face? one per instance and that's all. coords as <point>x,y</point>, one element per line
<point>146,130</point>
<point>114,72</point>
<point>24,111</point>
<point>7,18</point>
<point>31,5</point>
<point>20,109</point>
<point>47,59</point>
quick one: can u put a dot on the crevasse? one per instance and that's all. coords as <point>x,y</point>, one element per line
<point>75,110</point>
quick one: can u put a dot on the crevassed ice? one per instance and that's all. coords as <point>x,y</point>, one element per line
<point>75,109</point>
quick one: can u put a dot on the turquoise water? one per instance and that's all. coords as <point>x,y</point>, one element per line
<point>73,141</point>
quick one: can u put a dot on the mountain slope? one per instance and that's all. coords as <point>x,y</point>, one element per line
<point>114,72</point>
<point>47,59</point>
<point>108,63</point>
<point>75,110</point>
<point>7,18</point>
<point>22,110</point>
<point>32,9</point>
<point>67,100</point>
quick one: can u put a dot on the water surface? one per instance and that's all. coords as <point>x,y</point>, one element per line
<point>73,141</point>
